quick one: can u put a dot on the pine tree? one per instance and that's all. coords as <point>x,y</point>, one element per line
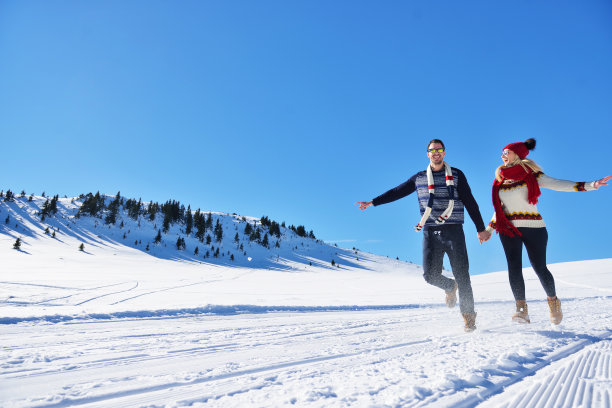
<point>113,208</point>
<point>82,247</point>
<point>9,196</point>
<point>218,231</point>
<point>333,263</point>
<point>265,242</point>
<point>196,251</point>
<point>236,238</point>
<point>158,237</point>
<point>17,244</point>
<point>47,232</point>
<point>209,222</point>
<point>166,223</point>
<point>189,221</point>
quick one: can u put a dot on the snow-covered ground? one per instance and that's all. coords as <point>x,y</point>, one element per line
<point>116,326</point>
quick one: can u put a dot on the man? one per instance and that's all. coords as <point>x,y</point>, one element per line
<point>443,192</point>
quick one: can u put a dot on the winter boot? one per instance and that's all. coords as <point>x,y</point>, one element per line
<point>521,315</point>
<point>556,315</point>
<point>470,321</point>
<point>451,296</point>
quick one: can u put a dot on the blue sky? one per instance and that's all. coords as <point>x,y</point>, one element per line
<point>298,109</point>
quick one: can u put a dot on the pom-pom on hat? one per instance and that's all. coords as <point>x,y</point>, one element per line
<point>522,148</point>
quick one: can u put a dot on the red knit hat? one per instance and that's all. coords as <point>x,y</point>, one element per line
<point>521,148</point>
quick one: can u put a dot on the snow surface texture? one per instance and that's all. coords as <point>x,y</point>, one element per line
<point>116,326</point>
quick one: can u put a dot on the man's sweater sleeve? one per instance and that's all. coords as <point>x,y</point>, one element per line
<point>470,204</point>
<point>401,191</point>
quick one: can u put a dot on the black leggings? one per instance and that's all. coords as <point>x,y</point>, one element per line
<point>535,240</point>
<point>450,240</point>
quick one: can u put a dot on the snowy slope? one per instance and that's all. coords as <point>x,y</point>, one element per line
<point>117,326</point>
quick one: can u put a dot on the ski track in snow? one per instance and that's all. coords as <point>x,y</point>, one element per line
<point>249,360</point>
<point>584,380</point>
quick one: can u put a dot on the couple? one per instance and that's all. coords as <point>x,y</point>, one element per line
<point>443,193</point>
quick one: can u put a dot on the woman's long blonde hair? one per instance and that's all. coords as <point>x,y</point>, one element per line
<point>524,163</point>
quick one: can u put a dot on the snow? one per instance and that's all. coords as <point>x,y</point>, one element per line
<point>118,326</point>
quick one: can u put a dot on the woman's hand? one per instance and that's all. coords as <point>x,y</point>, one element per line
<point>601,182</point>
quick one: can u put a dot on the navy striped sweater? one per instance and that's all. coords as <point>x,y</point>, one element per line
<point>462,195</point>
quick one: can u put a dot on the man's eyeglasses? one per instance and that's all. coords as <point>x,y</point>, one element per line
<point>440,150</point>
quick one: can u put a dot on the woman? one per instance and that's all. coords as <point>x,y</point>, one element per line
<point>515,194</point>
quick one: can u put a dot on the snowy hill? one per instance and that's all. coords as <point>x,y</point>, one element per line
<point>222,239</point>
<point>117,325</point>
<point>121,268</point>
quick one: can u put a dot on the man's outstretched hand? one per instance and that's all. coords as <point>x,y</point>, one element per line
<point>363,204</point>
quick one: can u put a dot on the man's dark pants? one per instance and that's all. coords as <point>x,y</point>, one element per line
<point>450,240</point>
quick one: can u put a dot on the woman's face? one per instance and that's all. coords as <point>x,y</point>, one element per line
<point>508,156</point>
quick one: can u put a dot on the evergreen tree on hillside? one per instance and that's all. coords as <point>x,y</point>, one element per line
<point>53,204</point>
<point>199,221</point>
<point>113,209</point>
<point>166,223</point>
<point>44,212</point>
<point>209,222</point>
<point>9,196</point>
<point>265,221</point>
<point>92,205</point>
<point>17,244</point>
<point>265,242</point>
<point>248,229</point>
<point>188,221</point>
<point>133,208</point>
<point>236,238</point>
<point>158,237</point>
<point>218,231</point>
<point>152,210</point>
<point>255,235</point>
<point>275,229</point>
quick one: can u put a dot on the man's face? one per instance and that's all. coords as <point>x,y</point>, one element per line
<point>436,157</point>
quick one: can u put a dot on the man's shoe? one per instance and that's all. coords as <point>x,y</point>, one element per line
<point>556,315</point>
<point>521,315</point>
<point>470,321</point>
<point>451,296</point>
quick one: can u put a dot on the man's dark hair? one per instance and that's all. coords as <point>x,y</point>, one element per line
<point>436,141</point>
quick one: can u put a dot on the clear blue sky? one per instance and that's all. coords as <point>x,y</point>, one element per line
<point>298,109</point>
